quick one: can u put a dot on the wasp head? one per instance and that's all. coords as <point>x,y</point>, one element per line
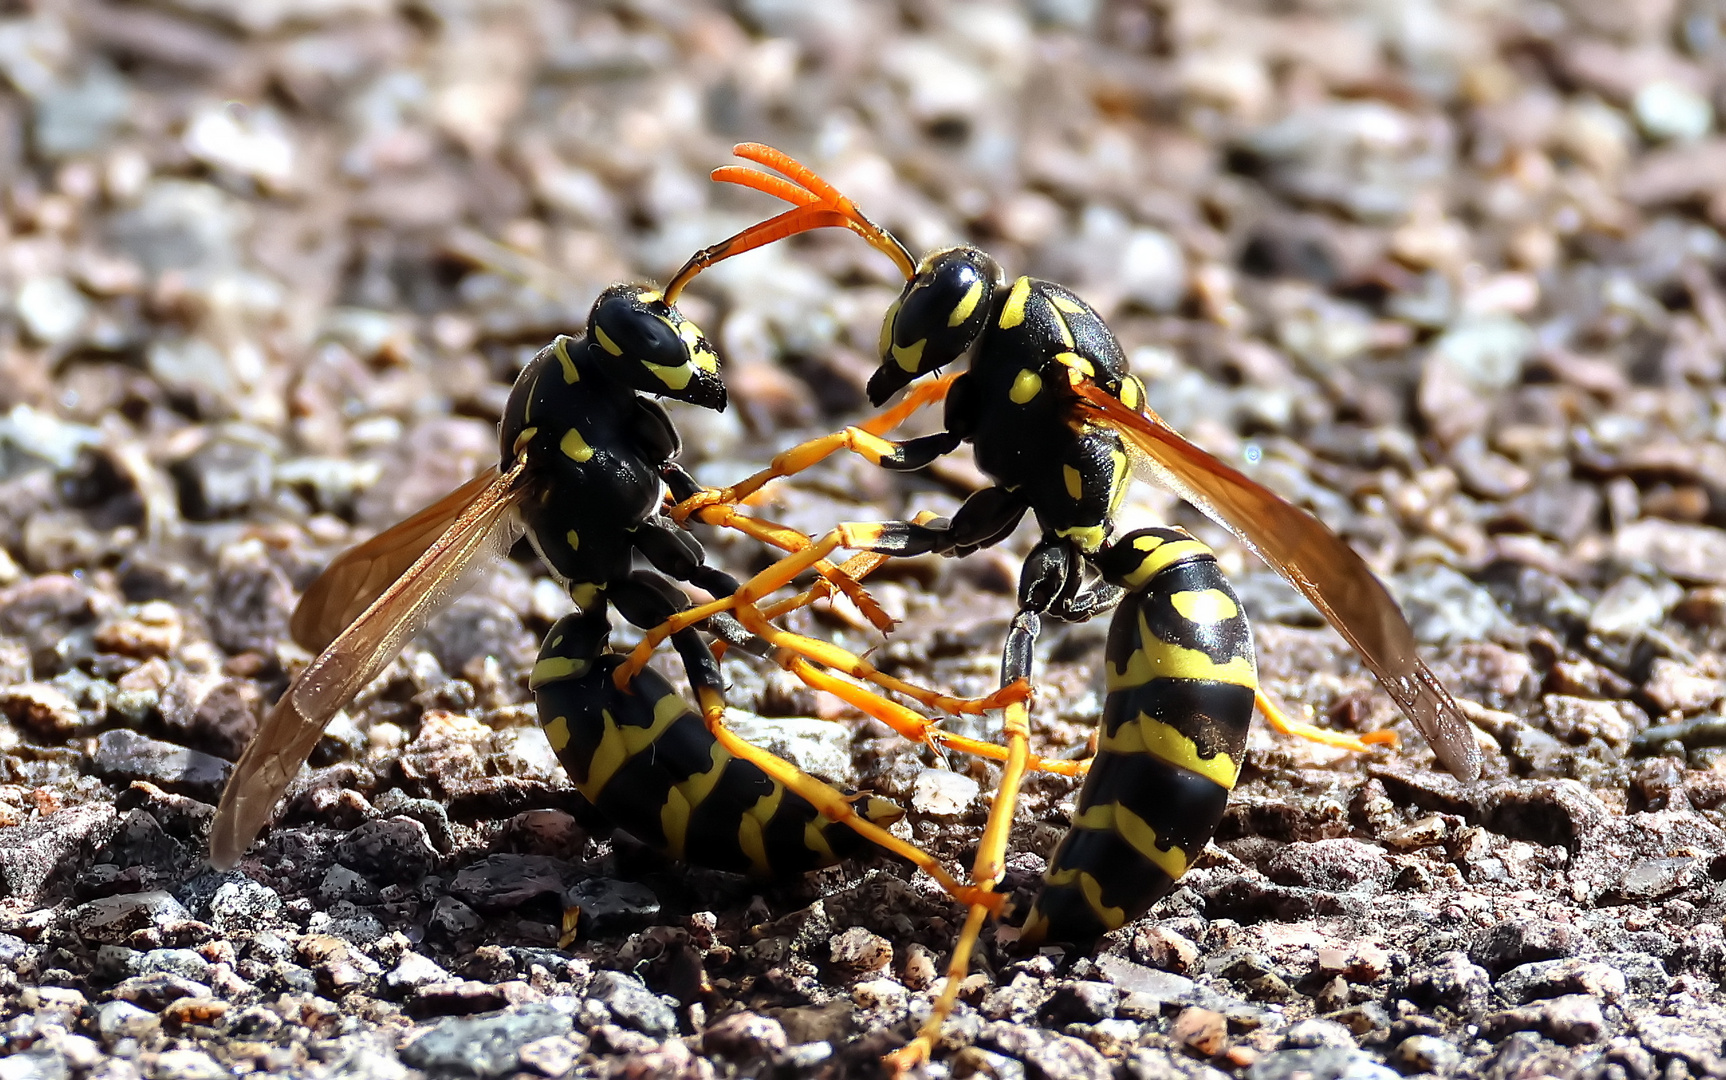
<point>647,345</point>
<point>936,319</point>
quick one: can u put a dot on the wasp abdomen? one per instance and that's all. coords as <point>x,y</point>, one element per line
<point>647,762</point>
<point>1181,684</point>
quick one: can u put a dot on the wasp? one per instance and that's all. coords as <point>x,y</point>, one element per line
<point>1060,425</point>
<point>585,454</point>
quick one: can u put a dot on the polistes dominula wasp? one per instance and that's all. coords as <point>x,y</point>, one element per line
<point>1058,423</point>
<point>584,453</point>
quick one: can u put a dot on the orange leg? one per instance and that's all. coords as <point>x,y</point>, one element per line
<point>863,439</point>
<point>835,806</point>
<point>1288,725</point>
<point>986,873</point>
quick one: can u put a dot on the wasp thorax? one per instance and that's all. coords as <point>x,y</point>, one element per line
<point>936,318</point>
<point>648,345</point>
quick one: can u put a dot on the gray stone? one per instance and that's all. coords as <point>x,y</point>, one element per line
<point>125,756</point>
<point>79,116</point>
<point>485,1046</point>
<point>610,906</point>
<point>1326,1063</point>
<point>114,918</point>
<point>414,971</point>
<point>1667,110</point>
<point>39,854</point>
<point>1427,1054</point>
<point>52,310</point>
<point>117,1020</point>
<point>818,747</point>
<point>943,793</point>
<point>40,1062</point>
<point>187,1065</point>
<point>1445,608</point>
<point>243,904</point>
<point>632,1004</point>
<point>1336,865</point>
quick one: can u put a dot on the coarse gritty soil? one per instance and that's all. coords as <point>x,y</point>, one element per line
<point>1449,274</point>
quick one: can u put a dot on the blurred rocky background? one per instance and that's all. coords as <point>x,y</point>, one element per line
<point>1448,274</point>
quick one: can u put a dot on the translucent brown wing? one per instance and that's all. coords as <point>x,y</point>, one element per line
<point>1314,560</point>
<point>485,526</point>
<point>360,574</point>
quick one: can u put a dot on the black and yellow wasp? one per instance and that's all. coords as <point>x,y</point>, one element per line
<point>583,457</point>
<point>1059,423</point>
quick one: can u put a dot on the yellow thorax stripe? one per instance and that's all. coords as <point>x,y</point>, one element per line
<point>1013,311</point>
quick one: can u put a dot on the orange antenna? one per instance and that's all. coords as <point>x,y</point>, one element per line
<point>818,205</point>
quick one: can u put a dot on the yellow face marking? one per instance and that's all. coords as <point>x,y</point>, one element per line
<point>966,305</point>
<point>1068,305</point>
<point>1061,324</point>
<point>1013,311</point>
<point>674,376</point>
<point>1075,484</point>
<point>560,349</point>
<point>1155,659</point>
<point>1146,735</point>
<point>557,732</point>
<point>699,352</point>
<point>1205,605</point>
<point>908,357</point>
<point>550,669</point>
<point>573,539</point>
<point>1132,393</point>
<point>649,296</point>
<point>605,341</point>
<point>584,594</point>
<point>619,744</point>
<point>575,447</point>
<point>1115,818</point>
<point>524,438</point>
<point>886,340</point>
<point>1077,363</point>
<point>1026,385</point>
<point>674,822</point>
<point>1160,555</point>
<point>1088,538</point>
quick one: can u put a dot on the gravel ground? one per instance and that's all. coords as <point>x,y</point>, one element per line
<point>1449,274</point>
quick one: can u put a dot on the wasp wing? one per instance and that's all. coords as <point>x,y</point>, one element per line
<point>360,574</point>
<point>1313,559</point>
<point>485,526</point>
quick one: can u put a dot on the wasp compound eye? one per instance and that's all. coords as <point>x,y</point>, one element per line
<point>936,318</point>
<point>649,346</point>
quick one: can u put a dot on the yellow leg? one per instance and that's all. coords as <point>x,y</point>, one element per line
<point>790,540</point>
<point>752,591</point>
<point>1281,721</point>
<point>985,875</point>
<point>833,805</point>
<point>745,603</point>
<point>918,729</point>
<point>863,439</point>
<point>832,656</point>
